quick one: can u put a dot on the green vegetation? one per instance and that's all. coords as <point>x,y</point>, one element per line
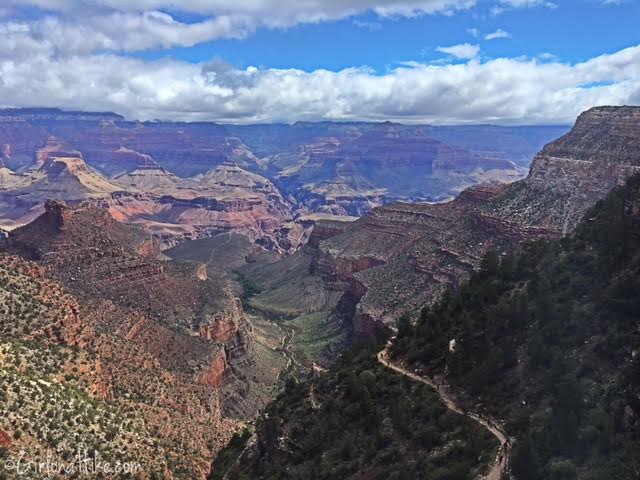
<point>548,340</point>
<point>51,414</point>
<point>248,289</point>
<point>359,420</point>
<point>286,293</point>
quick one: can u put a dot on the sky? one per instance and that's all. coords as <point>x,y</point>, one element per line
<point>254,61</point>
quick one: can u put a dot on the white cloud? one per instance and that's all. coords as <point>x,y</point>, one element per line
<point>73,26</point>
<point>464,50</point>
<point>87,26</point>
<point>275,11</point>
<point>69,58</point>
<point>547,56</point>
<point>502,90</point>
<point>504,5</point>
<point>499,33</point>
<point>474,32</point>
<point>114,32</point>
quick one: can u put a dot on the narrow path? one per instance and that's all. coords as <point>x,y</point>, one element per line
<point>288,334</point>
<point>213,250</point>
<point>500,464</point>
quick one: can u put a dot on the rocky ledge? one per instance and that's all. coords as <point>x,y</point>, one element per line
<point>401,257</point>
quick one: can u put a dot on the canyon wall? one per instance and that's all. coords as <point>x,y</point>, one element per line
<point>412,253</point>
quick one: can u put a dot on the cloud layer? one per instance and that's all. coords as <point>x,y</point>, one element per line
<point>74,56</point>
<point>82,26</point>
<point>499,91</point>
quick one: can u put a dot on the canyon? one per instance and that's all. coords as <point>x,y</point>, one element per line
<point>163,341</point>
<point>194,180</point>
<point>403,256</point>
<point>191,271</point>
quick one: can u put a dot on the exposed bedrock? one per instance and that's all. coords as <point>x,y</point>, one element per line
<point>401,257</point>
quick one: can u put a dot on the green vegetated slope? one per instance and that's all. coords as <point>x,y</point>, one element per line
<point>47,411</point>
<point>223,252</point>
<point>288,293</point>
<point>360,421</point>
<point>547,339</point>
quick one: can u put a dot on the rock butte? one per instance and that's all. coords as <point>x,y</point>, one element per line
<point>193,180</point>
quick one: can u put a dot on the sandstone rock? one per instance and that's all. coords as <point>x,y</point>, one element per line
<point>5,439</point>
<point>401,257</point>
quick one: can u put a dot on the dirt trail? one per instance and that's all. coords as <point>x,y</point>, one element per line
<point>500,464</point>
<point>213,250</point>
<point>288,334</point>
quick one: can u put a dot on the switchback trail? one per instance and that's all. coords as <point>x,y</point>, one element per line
<point>500,464</point>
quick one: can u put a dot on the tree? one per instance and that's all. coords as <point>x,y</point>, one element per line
<point>490,264</point>
<point>524,460</point>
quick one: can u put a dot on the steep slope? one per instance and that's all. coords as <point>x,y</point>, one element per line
<point>68,378</point>
<point>192,324</point>
<point>547,340</point>
<point>62,175</point>
<point>402,256</point>
<point>358,421</point>
<point>541,344</point>
<point>365,165</point>
<point>572,173</point>
<point>225,199</point>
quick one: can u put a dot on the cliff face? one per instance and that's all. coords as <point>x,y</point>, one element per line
<point>113,145</point>
<point>602,135</point>
<point>182,180</point>
<point>363,166</point>
<point>147,381</point>
<point>421,250</point>
<point>161,333</point>
<point>227,198</point>
<point>334,168</point>
<point>572,173</point>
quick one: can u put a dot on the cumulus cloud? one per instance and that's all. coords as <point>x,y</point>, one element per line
<point>72,57</point>
<point>499,33</point>
<point>114,32</point>
<point>77,26</point>
<point>274,11</point>
<point>507,91</point>
<point>462,50</point>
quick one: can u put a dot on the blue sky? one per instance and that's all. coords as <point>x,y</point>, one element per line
<point>573,31</point>
<point>245,61</point>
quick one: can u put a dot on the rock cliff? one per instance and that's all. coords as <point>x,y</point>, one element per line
<point>115,362</point>
<point>403,256</point>
<point>364,165</point>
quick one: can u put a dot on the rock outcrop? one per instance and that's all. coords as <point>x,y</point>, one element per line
<point>572,173</point>
<point>366,165</point>
<point>331,168</point>
<point>227,198</point>
<point>401,257</point>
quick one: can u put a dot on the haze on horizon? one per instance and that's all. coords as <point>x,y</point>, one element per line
<point>249,61</point>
